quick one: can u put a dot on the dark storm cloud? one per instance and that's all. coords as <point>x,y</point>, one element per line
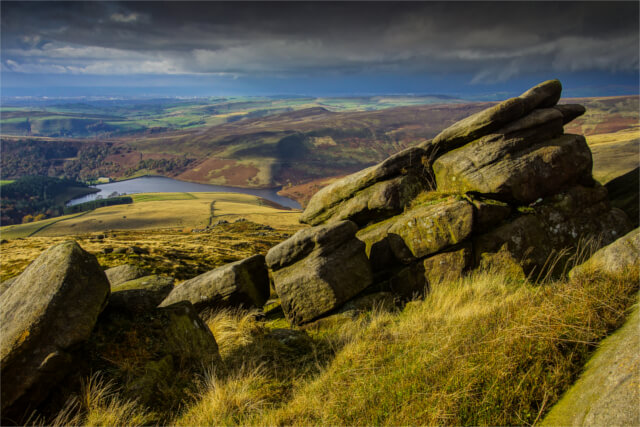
<point>492,41</point>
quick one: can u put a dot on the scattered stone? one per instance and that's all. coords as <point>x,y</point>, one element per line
<point>50,308</point>
<point>318,269</point>
<point>137,250</point>
<point>141,294</point>
<point>124,273</point>
<point>241,283</point>
<point>607,392</point>
<point>120,250</point>
<point>155,346</point>
<point>107,250</point>
<point>622,254</point>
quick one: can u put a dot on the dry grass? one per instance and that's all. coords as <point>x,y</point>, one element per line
<point>483,350</point>
<point>614,153</point>
<point>178,253</point>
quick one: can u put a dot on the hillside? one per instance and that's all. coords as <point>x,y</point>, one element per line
<point>289,148</point>
<point>160,210</point>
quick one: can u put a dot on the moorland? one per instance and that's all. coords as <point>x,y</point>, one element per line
<point>492,346</point>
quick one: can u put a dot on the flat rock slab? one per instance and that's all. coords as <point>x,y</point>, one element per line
<point>544,95</point>
<point>124,273</point>
<point>608,391</point>
<point>513,169</point>
<point>326,202</point>
<point>51,307</point>
<point>241,283</point>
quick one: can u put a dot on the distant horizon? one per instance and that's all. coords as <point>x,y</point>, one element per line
<point>468,50</point>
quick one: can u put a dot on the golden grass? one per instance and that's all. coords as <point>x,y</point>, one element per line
<point>615,153</point>
<point>483,350</point>
<point>174,252</point>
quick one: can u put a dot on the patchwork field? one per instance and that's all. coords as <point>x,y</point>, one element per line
<point>161,210</point>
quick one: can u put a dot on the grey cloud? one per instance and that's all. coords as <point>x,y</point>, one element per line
<point>493,41</point>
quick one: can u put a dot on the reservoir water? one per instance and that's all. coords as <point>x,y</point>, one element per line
<point>159,184</point>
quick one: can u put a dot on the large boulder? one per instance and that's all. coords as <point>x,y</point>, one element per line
<point>142,294</point>
<point>153,355</point>
<point>622,254</point>
<point>241,283</point>
<point>318,269</point>
<point>544,95</point>
<point>124,273</point>
<point>50,308</point>
<point>334,202</point>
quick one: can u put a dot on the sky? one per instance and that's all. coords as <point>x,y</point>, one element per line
<point>472,50</point>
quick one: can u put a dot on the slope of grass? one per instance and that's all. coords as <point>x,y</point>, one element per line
<point>482,350</point>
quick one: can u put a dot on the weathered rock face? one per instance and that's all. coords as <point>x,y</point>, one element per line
<point>6,284</point>
<point>124,273</point>
<point>622,254</point>
<point>139,295</point>
<point>241,283</point>
<point>318,269</point>
<point>428,229</point>
<point>558,223</point>
<point>373,193</point>
<point>514,169</point>
<point>50,308</point>
<point>447,266</point>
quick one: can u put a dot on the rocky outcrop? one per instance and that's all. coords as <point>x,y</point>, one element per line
<point>503,188</point>
<point>124,273</point>
<point>49,309</point>
<point>622,254</point>
<point>319,269</point>
<point>140,295</point>
<point>241,283</point>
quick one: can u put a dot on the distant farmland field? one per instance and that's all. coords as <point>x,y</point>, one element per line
<point>161,210</point>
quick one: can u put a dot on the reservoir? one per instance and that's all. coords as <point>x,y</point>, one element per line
<point>159,184</point>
